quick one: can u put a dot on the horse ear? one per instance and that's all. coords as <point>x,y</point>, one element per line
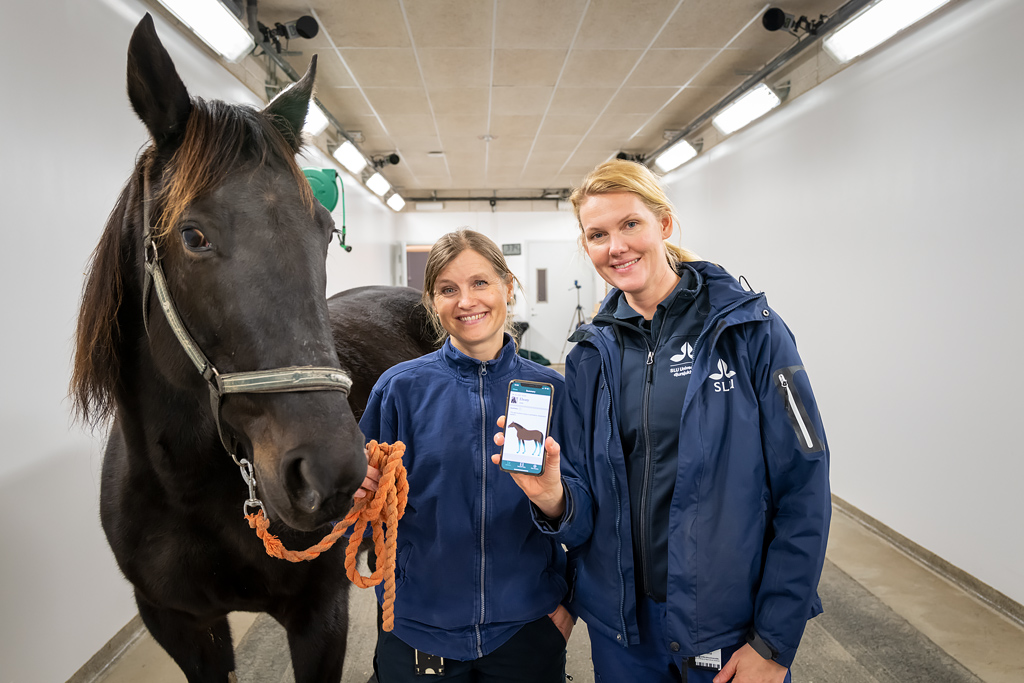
<point>288,110</point>
<point>156,92</point>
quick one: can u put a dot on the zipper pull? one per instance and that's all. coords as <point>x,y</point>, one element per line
<point>783,382</point>
<point>483,368</point>
<point>650,357</point>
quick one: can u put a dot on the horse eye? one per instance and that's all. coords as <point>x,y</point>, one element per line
<point>194,240</point>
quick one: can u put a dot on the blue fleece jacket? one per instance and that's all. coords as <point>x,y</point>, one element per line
<point>472,568</point>
<point>749,516</point>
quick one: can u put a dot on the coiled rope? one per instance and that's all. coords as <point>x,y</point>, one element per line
<point>381,510</point>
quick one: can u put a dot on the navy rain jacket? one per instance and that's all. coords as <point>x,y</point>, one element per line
<point>472,567</point>
<point>749,516</point>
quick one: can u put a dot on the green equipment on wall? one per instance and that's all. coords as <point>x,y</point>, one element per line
<point>324,182</point>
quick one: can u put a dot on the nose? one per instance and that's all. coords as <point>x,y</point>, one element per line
<point>315,484</point>
<point>616,245</point>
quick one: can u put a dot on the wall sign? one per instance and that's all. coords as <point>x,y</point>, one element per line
<point>512,249</point>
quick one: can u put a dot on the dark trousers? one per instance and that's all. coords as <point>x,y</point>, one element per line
<point>650,661</point>
<point>535,654</point>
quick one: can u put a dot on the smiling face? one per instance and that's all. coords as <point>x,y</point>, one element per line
<point>471,302</point>
<point>625,241</point>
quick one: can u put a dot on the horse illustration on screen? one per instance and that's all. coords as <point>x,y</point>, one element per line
<point>524,435</point>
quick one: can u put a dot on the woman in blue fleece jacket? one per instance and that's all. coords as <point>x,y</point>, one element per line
<point>694,494</point>
<point>478,584</point>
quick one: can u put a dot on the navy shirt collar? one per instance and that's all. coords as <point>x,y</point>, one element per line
<point>469,367</point>
<point>688,286</point>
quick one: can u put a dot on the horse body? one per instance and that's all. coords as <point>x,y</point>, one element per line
<point>524,435</point>
<point>243,247</point>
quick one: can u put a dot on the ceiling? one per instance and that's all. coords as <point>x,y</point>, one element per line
<point>524,96</point>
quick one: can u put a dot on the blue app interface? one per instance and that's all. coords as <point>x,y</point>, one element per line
<point>526,424</point>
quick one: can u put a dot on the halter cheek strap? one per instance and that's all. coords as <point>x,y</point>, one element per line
<point>280,380</point>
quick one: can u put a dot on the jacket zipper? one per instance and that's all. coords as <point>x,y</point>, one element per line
<point>645,423</point>
<point>618,512</point>
<point>796,411</point>
<point>483,508</point>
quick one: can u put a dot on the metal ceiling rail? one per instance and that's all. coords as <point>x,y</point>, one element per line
<point>837,19</point>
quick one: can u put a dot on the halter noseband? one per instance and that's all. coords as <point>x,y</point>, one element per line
<point>290,379</point>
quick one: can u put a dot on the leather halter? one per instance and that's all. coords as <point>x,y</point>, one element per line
<point>290,379</point>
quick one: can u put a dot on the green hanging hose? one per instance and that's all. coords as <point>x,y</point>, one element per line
<point>324,183</point>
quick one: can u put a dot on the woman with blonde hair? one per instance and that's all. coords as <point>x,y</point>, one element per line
<point>694,491</point>
<point>478,585</point>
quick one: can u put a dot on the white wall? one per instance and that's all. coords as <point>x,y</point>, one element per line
<point>69,139</point>
<point>531,229</point>
<point>881,213</point>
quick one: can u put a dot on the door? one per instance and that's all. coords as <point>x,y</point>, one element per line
<point>559,278</point>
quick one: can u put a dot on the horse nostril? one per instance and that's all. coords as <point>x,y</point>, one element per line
<point>302,485</point>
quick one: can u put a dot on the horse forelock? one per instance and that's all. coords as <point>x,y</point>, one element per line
<point>221,139</point>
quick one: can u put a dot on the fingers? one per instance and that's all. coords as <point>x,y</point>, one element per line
<point>727,672</point>
<point>496,458</point>
<point>552,449</point>
<point>501,422</point>
<point>370,483</point>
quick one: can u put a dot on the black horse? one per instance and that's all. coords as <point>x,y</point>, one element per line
<point>242,243</point>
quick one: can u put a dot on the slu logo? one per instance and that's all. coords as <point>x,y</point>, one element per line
<point>687,353</point>
<point>723,378</point>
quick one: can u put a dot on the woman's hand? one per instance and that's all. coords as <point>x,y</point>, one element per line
<point>369,484</point>
<point>546,490</point>
<point>746,666</point>
<point>563,621</point>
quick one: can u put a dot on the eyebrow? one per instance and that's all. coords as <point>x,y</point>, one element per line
<point>627,217</point>
<point>476,276</point>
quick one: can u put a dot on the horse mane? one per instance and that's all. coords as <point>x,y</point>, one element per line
<point>219,139</point>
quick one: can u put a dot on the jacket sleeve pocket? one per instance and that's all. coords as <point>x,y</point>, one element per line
<point>788,388</point>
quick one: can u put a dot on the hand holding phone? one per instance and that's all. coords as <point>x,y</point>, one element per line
<point>527,421</point>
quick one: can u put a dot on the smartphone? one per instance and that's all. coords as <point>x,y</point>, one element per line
<point>527,421</point>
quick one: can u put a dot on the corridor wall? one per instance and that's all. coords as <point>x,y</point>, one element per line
<point>69,141</point>
<point>881,214</point>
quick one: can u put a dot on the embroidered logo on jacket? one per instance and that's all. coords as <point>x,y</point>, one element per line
<point>682,362</point>
<point>723,378</point>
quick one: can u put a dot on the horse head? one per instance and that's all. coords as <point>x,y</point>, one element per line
<point>242,244</point>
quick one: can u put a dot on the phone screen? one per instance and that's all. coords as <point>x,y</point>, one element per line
<point>527,418</point>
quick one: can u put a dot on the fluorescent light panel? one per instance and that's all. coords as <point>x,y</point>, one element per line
<point>215,25</point>
<point>350,157</point>
<point>396,202</point>
<point>752,105</point>
<point>316,122</point>
<point>675,156</point>
<point>875,25</point>
<point>430,206</point>
<point>378,184</point>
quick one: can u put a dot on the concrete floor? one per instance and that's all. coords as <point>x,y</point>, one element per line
<point>985,643</point>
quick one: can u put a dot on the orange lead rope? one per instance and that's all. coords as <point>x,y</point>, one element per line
<point>381,510</point>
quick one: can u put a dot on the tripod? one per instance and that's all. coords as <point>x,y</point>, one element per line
<point>575,321</point>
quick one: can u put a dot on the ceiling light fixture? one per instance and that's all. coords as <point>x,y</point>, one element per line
<point>378,184</point>
<point>675,156</point>
<point>875,25</point>
<point>350,157</point>
<point>753,105</point>
<point>430,206</point>
<point>215,25</point>
<point>396,202</point>
<point>316,121</point>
